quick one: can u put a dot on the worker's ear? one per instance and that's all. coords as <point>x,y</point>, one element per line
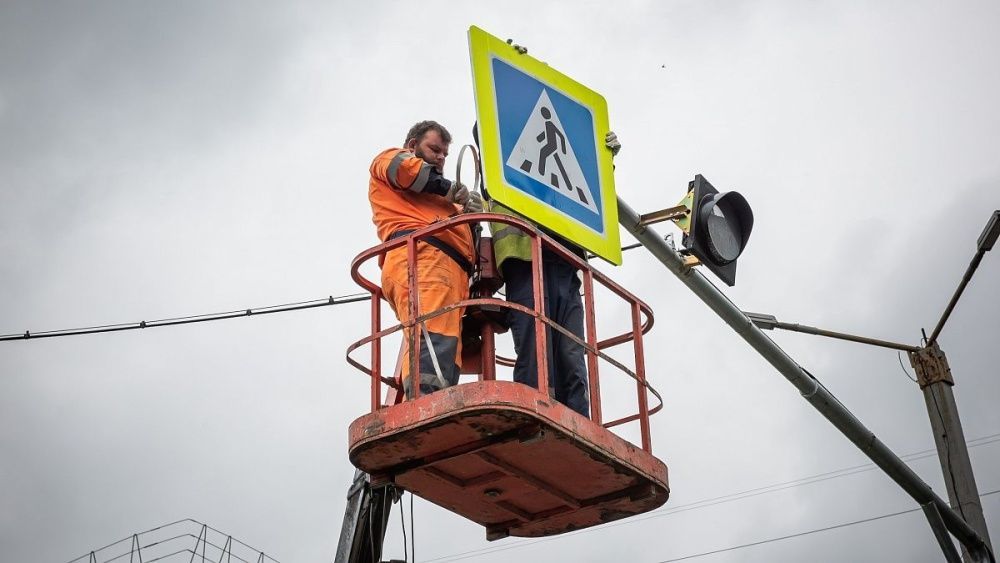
<point>410,145</point>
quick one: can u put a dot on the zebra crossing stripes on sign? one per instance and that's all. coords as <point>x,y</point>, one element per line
<point>547,145</point>
<point>542,153</point>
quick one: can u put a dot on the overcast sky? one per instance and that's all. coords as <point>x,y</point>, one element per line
<point>174,158</point>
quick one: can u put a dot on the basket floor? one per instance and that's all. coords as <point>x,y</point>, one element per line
<point>504,455</point>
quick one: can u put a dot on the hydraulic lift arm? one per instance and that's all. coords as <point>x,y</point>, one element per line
<point>365,521</point>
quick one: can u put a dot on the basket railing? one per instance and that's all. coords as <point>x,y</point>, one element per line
<point>641,317</point>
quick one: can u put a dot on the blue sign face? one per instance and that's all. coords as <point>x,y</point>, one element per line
<point>547,144</point>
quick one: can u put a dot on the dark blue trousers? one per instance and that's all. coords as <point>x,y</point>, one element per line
<point>567,364</point>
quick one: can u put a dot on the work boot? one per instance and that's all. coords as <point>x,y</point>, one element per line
<point>429,383</point>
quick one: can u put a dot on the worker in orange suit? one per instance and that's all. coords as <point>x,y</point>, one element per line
<point>407,192</point>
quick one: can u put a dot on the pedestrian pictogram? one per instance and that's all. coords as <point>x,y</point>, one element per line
<point>543,154</point>
<point>542,144</point>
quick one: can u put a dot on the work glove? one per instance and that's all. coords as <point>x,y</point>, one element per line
<point>611,141</point>
<point>475,203</point>
<point>457,193</point>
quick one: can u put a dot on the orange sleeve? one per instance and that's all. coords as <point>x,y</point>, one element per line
<point>403,170</point>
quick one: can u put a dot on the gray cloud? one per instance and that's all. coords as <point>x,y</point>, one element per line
<point>160,160</point>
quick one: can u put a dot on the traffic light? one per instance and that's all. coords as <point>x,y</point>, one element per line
<point>716,227</point>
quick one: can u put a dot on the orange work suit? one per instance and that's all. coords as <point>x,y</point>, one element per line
<point>406,193</point>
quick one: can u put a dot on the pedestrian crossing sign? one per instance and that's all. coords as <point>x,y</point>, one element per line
<point>541,136</point>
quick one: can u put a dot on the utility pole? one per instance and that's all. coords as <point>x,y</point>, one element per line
<point>941,517</point>
<point>935,380</point>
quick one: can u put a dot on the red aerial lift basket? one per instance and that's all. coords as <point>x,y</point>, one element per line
<point>500,453</point>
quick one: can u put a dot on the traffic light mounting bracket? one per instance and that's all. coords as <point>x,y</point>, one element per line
<point>676,214</point>
<point>680,214</point>
<point>690,260</point>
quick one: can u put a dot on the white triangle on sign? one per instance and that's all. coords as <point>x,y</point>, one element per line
<point>543,153</point>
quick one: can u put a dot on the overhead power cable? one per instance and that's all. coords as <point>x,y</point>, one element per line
<point>805,533</point>
<point>705,503</point>
<point>298,306</point>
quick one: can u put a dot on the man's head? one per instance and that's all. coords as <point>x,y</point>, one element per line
<point>429,140</point>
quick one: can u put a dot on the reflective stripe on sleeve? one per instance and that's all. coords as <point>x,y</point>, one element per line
<point>393,169</point>
<point>421,181</point>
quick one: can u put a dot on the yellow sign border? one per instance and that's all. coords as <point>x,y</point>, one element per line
<point>482,48</point>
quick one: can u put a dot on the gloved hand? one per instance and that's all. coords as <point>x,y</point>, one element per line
<point>611,141</point>
<point>475,203</point>
<point>457,193</point>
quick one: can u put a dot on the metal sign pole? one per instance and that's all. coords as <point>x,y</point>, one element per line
<point>809,387</point>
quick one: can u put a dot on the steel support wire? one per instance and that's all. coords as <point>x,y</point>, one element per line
<point>809,387</point>
<point>325,302</point>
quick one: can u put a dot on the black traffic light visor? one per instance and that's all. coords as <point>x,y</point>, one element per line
<point>720,225</point>
<point>723,225</point>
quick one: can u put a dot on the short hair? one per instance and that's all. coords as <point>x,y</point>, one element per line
<point>421,128</point>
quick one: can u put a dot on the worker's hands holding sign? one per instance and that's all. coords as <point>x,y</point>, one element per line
<point>611,141</point>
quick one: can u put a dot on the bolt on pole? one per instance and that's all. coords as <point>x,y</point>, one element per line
<point>809,387</point>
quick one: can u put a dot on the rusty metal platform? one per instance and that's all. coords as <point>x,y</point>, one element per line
<point>504,455</point>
